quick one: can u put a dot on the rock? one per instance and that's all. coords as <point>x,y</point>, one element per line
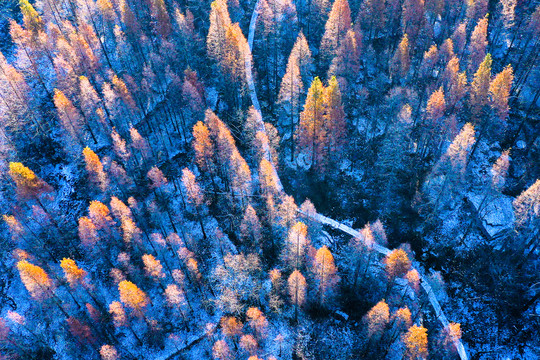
<point>496,213</point>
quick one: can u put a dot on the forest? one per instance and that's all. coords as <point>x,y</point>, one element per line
<point>270,179</point>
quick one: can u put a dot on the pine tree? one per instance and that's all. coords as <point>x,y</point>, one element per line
<point>248,344</point>
<point>99,215</point>
<point>338,24</point>
<point>156,177</point>
<point>297,290</point>
<point>160,19</point>
<point>95,168</point>
<point>326,274</point>
<point>267,178</point>
<point>87,232</point>
<point>455,82</point>
<point>372,16</point>
<point>476,9</point>
<point>416,342</point>
<point>221,350</point>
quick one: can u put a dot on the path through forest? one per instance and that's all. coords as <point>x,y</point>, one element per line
<point>321,218</point>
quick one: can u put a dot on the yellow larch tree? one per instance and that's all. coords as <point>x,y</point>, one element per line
<point>95,168</point>
<point>29,185</point>
<point>377,318</point>
<point>132,296</point>
<point>36,280</point>
<point>153,267</point>
<point>297,290</point>
<point>74,274</point>
<point>326,273</point>
<point>397,263</point>
<point>416,342</point>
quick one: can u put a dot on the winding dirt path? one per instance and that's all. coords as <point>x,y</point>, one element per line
<point>321,218</point>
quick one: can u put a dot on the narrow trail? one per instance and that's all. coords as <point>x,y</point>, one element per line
<point>321,218</point>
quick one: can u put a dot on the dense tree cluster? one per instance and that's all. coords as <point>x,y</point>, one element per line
<point>153,153</point>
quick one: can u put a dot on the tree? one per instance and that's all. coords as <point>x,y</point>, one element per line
<point>478,44</point>
<point>99,215</point>
<point>338,24</point>
<point>377,318</point>
<point>35,280</point>
<point>371,16</point>
<point>132,296</point>
<point>74,275</point>
<point>257,321</point>
<point>248,344</point>
<point>476,9</point>
<point>412,17</point>
<point>345,65</point>
<point>527,205</point>
<point>296,246</point>
<point>156,177</point>
<point>447,175</point>
<point>87,232</point>
<point>118,314</point>
<point>401,61</point>
<point>297,291</point>
<point>334,116</point>
<point>480,87</point>
<point>108,352</point>
<point>70,117</point>
<point>29,185</point>
<point>326,273</point>
<point>95,168</point>
<point>221,350</point>
<point>454,82</point>
<point>153,267</point>
<point>311,134</point>
<point>250,228</point>
<point>397,263</point>
<point>203,146</point>
<point>160,19</point>
<point>289,95</point>
<point>302,52</point>
<point>219,23</point>
<point>416,342</point>
<point>499,91</point>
